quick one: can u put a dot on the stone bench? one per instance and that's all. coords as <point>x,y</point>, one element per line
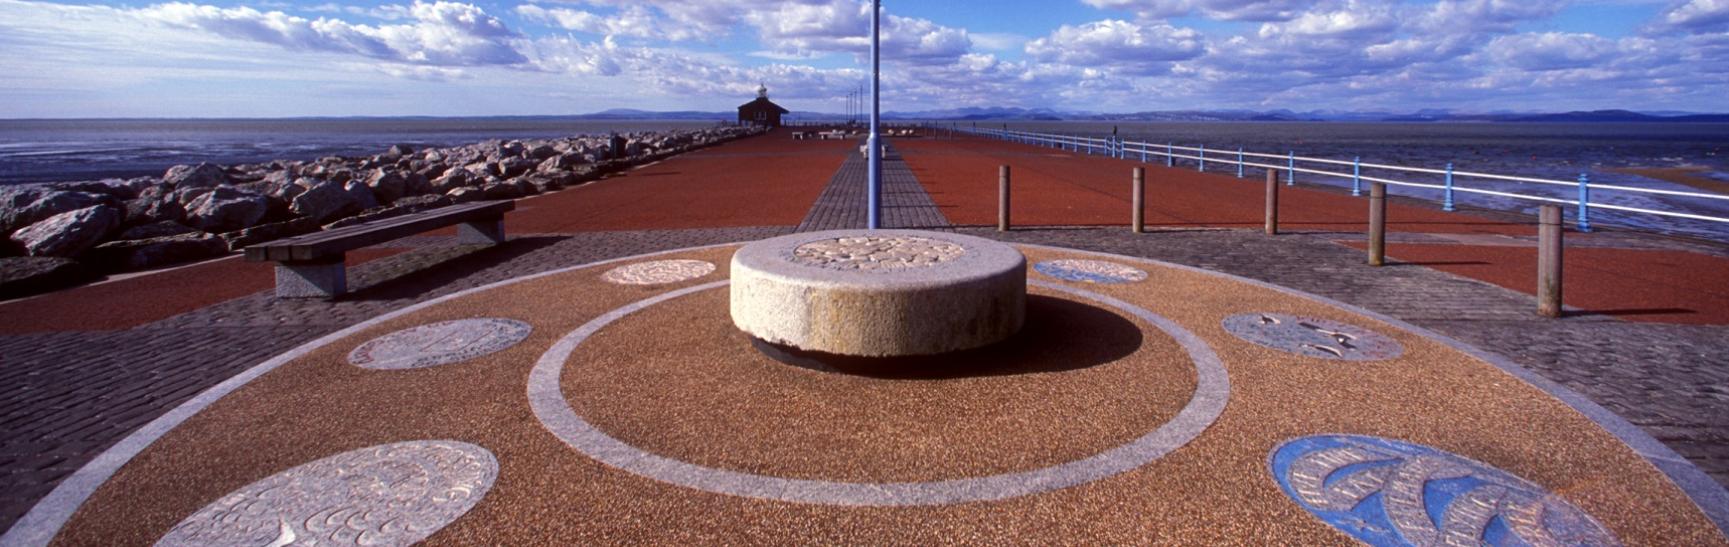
<point>311,266</point>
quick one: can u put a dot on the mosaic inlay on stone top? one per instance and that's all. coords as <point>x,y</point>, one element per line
<point>1313,337</point>
<point>1388,492</point>
<point>1090,271</point>
<point>439,343</point>
<point>874,253</point>
<point>393,494</point>
<point>658,272</point>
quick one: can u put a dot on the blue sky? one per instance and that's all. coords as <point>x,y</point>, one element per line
<point>265,58</point>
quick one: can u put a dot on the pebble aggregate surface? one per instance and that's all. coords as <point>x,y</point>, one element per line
<point>871,253</point>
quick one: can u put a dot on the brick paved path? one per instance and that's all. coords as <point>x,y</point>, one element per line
<point>905,202</point>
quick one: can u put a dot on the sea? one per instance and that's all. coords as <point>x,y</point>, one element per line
<point>65,150</point>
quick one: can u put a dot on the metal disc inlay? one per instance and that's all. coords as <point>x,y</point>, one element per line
<point>393,494</point>
<point>439,343</point>
<point>1313,337</point>
<point>1388,492</point>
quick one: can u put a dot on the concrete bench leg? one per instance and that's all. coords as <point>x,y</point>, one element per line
<point>322,279</point>
<point>484,232</point>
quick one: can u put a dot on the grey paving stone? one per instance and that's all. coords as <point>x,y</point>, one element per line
<point>905,204</point>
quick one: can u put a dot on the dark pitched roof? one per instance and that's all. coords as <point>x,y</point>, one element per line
<point>764,101</point>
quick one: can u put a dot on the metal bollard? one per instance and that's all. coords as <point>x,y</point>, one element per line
<point>1272,202</point>
<point>1549,260</point>
<point>1137,221</point>
<point>1377,224</point>
<point>1003,198</point>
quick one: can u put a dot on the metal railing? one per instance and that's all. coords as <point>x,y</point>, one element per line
<point>1291,164</point>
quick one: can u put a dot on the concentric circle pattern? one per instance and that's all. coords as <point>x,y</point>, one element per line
<point>1313,337</point>
<point>1388,492</point>
<point>658,272</point>
<point>1091,271</point>
<point>393,494</point>
<point>439,343</point>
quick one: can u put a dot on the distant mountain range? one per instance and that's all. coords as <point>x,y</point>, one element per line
<point>1045,114</point>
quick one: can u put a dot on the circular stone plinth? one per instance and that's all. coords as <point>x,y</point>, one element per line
<point>879,293</point>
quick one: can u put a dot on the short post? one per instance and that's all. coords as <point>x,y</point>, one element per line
<point>1291,169</point>
<point>1584,202</point>
<point>1138,218</point>
<point>1003,198</point>
<point>1143,152</point>
<point>1377,224</point>
<point>1170,160</point>
<point>1549,260</point>
<point>1272,202</point>
<point>1357,176</point>
<point>1239,162</point>
<point>1203,166</point>
<point>1447,190</point>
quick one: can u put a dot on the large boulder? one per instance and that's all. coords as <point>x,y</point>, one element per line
<point>542,152</point>
<point>560,163</point>
<point>70,233</point>
<point>40,204</point>
<point>146,210</point>
<point>27,275</point>
<point>466,194</point>
<point>227,209</point>
<point>324,201</point>
<point>502,190</point>
<point>143,254</point>
<point>387,186</point>
<point>154,230</point>
<point>455,178</point>
<point>203,175</point>
<point>515,166</point>
<point>399,150</point>
<point>362,194</point>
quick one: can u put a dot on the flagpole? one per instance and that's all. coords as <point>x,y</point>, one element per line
<point>873,217</point>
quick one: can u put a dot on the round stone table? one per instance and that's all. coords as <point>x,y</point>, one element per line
<point>879,293</point>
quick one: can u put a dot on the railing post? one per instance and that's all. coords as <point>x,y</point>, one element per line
<point>1447,192</point>
<point>1003,198</point>
<point>1377,224</point>
<point>1203,167</point>
<point>1549,260</point>
<point>1291,169</point>
<point>1584,202</point>
<point>1170,160</point>
<point>1357,176</point>
<point>1143,152</point>
<point>1239,162</point>
<point>1272,202</point>
<point>1137,220</point>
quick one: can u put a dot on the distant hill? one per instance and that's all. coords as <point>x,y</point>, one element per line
<point>1012,114</point>
<point>1619,116</point>
<point>632,114</point>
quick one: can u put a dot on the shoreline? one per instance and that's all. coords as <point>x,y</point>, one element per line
<point>1687,175</point>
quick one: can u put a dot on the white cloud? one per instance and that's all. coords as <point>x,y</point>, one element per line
<point>444,33</point>
<point>1551,50</point>
<point>1228,10</point>
<point>1132,48</point>
<point>1698,15</point>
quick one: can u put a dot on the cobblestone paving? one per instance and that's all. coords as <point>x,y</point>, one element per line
<point>1670,380</point>
<point>69,395</point>
<point>905,203</point>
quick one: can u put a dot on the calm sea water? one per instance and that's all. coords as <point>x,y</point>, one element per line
<point>55,150</point>
<point>58,150</point>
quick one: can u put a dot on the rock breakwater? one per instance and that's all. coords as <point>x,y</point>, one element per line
<point>198,211</point>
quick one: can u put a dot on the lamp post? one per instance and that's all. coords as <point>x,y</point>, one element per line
<point>873,217</point>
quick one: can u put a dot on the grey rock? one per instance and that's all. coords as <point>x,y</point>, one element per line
<point>399,150</point>
<point>203,175</point>
<point>325,201</point>
<point>456,178</point>
<point>466,194</point>
<point>68,234</point>
<point>513,167</point>
<point>28,275</point>
<point>155,229</point>
<point>542,152</point>
<point>40,205</point>
<point>142,254</point>
<point>387,186</point>
<point>502,190</point>
<point>146,210</point>
<point>185,196</point>
<point>362,194</point>
<point>227,209</point>
<point>116,189</point>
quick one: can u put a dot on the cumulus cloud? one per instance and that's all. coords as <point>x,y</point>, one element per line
<point>1132,48</point>
<point>844,26</point>
<point>1550,50</point>
<point>443,33</point>
<point>632,21</point>
<point>1698,16</point>
<point>1228,10</point>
